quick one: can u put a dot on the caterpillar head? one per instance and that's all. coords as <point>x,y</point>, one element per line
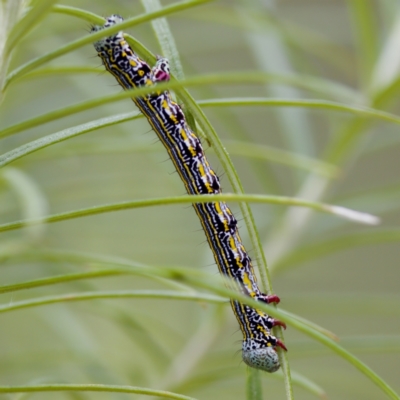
<point>161,72</point>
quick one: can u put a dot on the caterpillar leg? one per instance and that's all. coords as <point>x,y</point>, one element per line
<point>271,322</point>
<point>281,344</point>
<point>269,298</point>
<point>272,298</point>
<point>277,322</point>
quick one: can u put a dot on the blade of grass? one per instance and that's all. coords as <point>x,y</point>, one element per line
<point>59,279</point>
<point>312,325</point>
<point>308,385</point>
<point>385,76</point>
<point>34,15</point>
<point>271,54</point>
<point>184,363</point>
<point>277,313</point>
<point>91,388</point>
<point>366,37</point>
<point>196,81</point>
<point>217,374</point>
<point>244,149</point>
<point>269,153</point>
<point>376,344</point>
<point>117,294</point>
<point>253,384</point>
<point>59,70</point>
<point>322,104</point>
<point>200,279</point>
<point>316,85</point>
<point>86,105</point>
<point>30,198</point>
<point>78,13</point>
<point>282,200</point>
<point>210,282</point>
<point>37,62</point>
<point>344,242</point>
<point>122,266</point>
<point>54,256</point>
<point>65,134</point>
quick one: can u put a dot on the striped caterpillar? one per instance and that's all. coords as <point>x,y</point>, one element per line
<point>220,226</point>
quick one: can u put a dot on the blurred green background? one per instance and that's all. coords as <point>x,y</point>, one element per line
<point>341,275</point>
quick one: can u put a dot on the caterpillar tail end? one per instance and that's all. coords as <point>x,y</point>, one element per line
<point>265,358</point>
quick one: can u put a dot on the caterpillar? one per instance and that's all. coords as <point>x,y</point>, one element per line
<point>167,119</point>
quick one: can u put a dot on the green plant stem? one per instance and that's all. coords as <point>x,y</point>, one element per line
<point>78,13</point>
<point>363,368</point>
<point>231,102</point>
<point>37,62</point>
<point>203,280</point>
<point>253,384</point>
<point>59,279</point>
<point>117,294</point>
<point>91,388</point>
<point>31,18</point>
<point>282,200</point>
<point>65,134</point>
<point>321,86</point>
<point>238,148</point>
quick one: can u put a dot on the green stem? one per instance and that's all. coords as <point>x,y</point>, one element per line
<point>282,200</point>
<point>92,388</point>
<point>175,7</point>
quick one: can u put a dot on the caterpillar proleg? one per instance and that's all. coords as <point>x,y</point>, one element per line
<point>220,226</point>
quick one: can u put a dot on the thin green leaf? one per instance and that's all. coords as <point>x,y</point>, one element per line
<point>344,242</point>
<point>309,385</point>
<point>312,325</point>
<point>364,369</point>
<point>317,85</point>
<point>269,153</point>
<point>208,281</point>
<point>244,149</point>
<point>86,105</point>
<point>218,374</point>
<point>35,14</point>
<point>59,279</point>
<point>117,294</point>
<point>253,384</point>
<point>59,70</point>
<point>366,35</point>
<point>119,266</point>
<point>92,388</point>
<point>37,62</point>
<point>65,134</point>
<point>78,13</point>
<point>361,344</point>
<point>282,200</point>
<point>322,104</point>
<point>18,253</point>
<point>202,80</point>
<point>238,148</point>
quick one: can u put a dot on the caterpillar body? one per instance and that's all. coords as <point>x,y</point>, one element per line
<point>220,226</point>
